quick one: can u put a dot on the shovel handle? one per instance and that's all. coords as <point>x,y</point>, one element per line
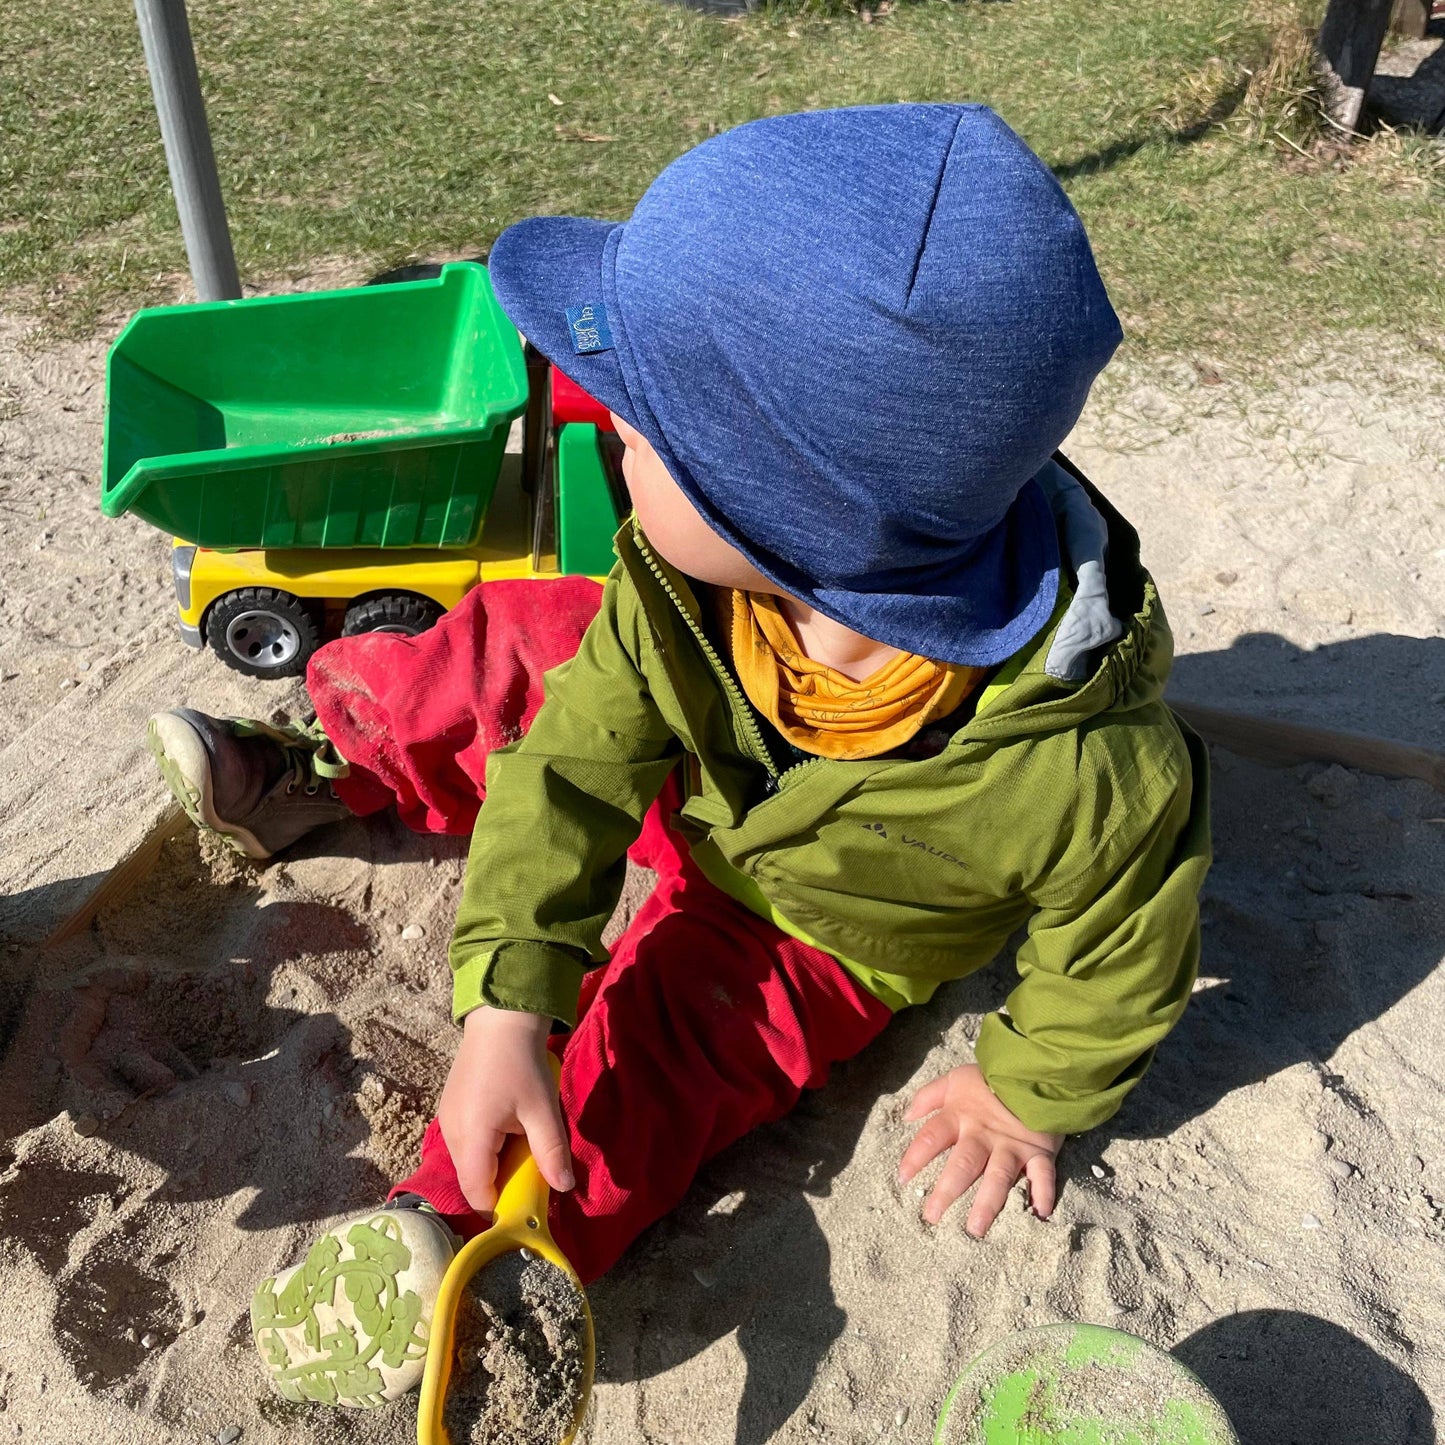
<point>522,1192</point>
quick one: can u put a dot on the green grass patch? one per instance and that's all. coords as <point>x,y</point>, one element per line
<point>384,132</point>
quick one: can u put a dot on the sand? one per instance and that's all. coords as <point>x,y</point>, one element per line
<point>519,1356</point>
<point>1270,1204</point>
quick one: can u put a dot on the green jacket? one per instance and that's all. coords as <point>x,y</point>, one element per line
<point>1079,809</point>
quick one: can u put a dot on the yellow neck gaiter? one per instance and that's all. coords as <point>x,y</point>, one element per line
<point>823,711</point>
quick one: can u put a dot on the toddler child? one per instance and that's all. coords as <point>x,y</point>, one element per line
<point>855,690</point>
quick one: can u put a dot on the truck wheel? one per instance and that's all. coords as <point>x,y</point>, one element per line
<point>262,632</point>
<point>390,612</point>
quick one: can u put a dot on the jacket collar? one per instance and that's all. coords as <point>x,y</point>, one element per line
<point>1133,669</point>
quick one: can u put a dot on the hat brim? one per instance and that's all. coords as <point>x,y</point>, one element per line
<point>978,611</point>
<point>542,266</point>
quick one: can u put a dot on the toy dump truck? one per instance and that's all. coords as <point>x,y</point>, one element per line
<point>336,462</point>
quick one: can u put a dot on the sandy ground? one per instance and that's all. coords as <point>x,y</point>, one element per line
<point>234,1054</point>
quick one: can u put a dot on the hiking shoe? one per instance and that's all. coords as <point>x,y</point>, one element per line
<point>260,787</point>
<point>350,1324</point>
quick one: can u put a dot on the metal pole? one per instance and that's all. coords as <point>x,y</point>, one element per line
<point>166,36</point>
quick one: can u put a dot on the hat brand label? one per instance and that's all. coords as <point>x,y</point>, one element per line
<point>588,325</point>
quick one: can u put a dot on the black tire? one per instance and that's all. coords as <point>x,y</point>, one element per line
<point>390,612</point>
<point>262,632</point>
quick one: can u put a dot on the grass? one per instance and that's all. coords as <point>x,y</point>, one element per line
<point>383,132</point>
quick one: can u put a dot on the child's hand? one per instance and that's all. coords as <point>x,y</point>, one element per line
<point>501,1083</point>
<point>987,1142</point>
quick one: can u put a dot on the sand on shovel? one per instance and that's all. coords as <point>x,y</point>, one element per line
<point>519,1355</point>
<point>1080,1383</point>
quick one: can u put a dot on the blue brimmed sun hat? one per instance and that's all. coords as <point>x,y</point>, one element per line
<point>853,337</point>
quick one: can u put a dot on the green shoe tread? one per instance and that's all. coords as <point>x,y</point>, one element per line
<point>340,1367</point>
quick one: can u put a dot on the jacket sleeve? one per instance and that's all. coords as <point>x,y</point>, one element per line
<point>1107,968</point>
<point>563,805</point>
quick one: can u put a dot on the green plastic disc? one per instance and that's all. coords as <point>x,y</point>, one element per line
<point>1075,1384</point>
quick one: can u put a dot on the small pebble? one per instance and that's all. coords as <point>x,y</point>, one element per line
<point>229,1435</point>
<point>705,1277</point>
<point>527,1255</point>
<point>1333,787</point>
<point>1098,1171</point>
<point>1310,1221</point>
<point>238,1094</point>
<point>329,1110</point>
<point>86,1125</point>
<point>1226,579</point>
<point>84,667</point>
<point>150,1340</point>
<point>67,684</point>
<point>412,932</point>
<point>130,1333</point>
<point>190,1320</point>
<point>900,1416</point>
<point>1340,1168</point>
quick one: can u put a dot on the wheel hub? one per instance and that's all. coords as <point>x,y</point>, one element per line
<point>264,639</point>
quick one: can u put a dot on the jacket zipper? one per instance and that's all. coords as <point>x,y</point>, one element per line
<point>741,706</point>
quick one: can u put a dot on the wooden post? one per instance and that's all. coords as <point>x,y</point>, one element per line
<point>1349,46</point>
<point>1272,740</point>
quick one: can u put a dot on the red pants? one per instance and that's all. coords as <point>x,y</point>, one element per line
<point>705,1022</point>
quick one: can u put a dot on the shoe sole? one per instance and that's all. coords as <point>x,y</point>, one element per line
<point>341,1329</point>
<point>186,766</point>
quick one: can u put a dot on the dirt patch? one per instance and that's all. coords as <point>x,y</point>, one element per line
<point>520,1342</point>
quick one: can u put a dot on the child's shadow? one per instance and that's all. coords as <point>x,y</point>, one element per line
<point>744,1252</point>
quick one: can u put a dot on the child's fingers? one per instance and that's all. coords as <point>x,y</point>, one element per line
<point>964,1165</point>
<point>928,1143</point>
<point>1042,1184</point>
<point>547,1139</point>
<point>928,1099</point>
<point>999,1177</point>
<point>476,1166</point>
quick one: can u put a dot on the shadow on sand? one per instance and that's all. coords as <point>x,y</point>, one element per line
<point>1292,1379</point>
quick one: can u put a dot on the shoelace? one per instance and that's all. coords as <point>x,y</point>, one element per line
<point>309,753</point>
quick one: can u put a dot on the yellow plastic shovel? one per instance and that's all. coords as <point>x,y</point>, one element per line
<point>519,1222</point>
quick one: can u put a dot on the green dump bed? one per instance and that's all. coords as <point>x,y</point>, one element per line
<point>372,417</point>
